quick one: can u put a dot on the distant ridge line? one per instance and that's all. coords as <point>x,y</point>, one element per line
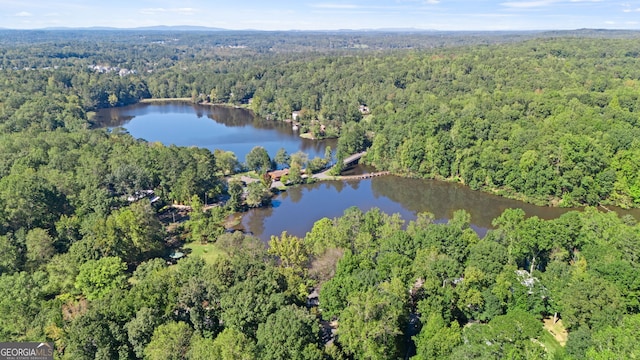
<point>191,28</point>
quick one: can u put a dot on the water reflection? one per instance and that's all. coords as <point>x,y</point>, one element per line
<point>443,199</point>
<point>301,206</point>
<point>297,209</point>
<point>212,127</point>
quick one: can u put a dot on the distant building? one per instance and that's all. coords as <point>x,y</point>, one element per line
<point>364,109</point>
<point>295,115</point>
<point>107,69</point>
<point>138,195</point>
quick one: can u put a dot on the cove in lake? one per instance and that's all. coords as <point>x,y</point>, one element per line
<point>211,127</point>
<point>237,130</point>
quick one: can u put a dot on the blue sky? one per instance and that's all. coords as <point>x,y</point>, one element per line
<point>325,15</point>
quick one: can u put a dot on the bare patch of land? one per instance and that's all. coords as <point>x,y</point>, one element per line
<point>557,330</point>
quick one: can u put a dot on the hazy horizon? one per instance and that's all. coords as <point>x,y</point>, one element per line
<point>443,15</point>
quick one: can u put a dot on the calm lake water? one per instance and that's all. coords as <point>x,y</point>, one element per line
<point>299,207</point>
<point>211,127</point>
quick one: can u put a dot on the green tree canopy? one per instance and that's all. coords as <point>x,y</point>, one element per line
<point>96,278</point>
<point>169,341</point>
<point>258,159</point>
<point>289,333</point>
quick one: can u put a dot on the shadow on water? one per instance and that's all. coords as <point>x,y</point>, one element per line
<point>303,205</point>
<point>211,127</point>
<point>237,130</point>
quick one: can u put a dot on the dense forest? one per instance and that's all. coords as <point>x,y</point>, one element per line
<point>551,118</point>
<point>549,121</point>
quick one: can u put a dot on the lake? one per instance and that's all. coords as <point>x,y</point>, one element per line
<point>211,127</point>
<point>295,210</point>
<point>299,207</point>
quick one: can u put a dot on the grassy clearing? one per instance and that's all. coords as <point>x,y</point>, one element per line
<point>307,136</point>
<point>210,253</point>
<point>557,330</point>
<point>244,176</point>
<point>281,187</point>
<point>551,344</point>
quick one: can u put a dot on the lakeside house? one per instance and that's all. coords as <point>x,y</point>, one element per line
<point>276,175</point>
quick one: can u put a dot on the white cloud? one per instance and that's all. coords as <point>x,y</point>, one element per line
<point>156,11</point>
<point>610,22</point>
<point>23,14</point>
<point>428,2</point>
<point>527,4</point>
<point>152,11</point>
<point>334,6</point>
<point>185,11</point>
<point>490,15</point>
<point>541,3</point>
